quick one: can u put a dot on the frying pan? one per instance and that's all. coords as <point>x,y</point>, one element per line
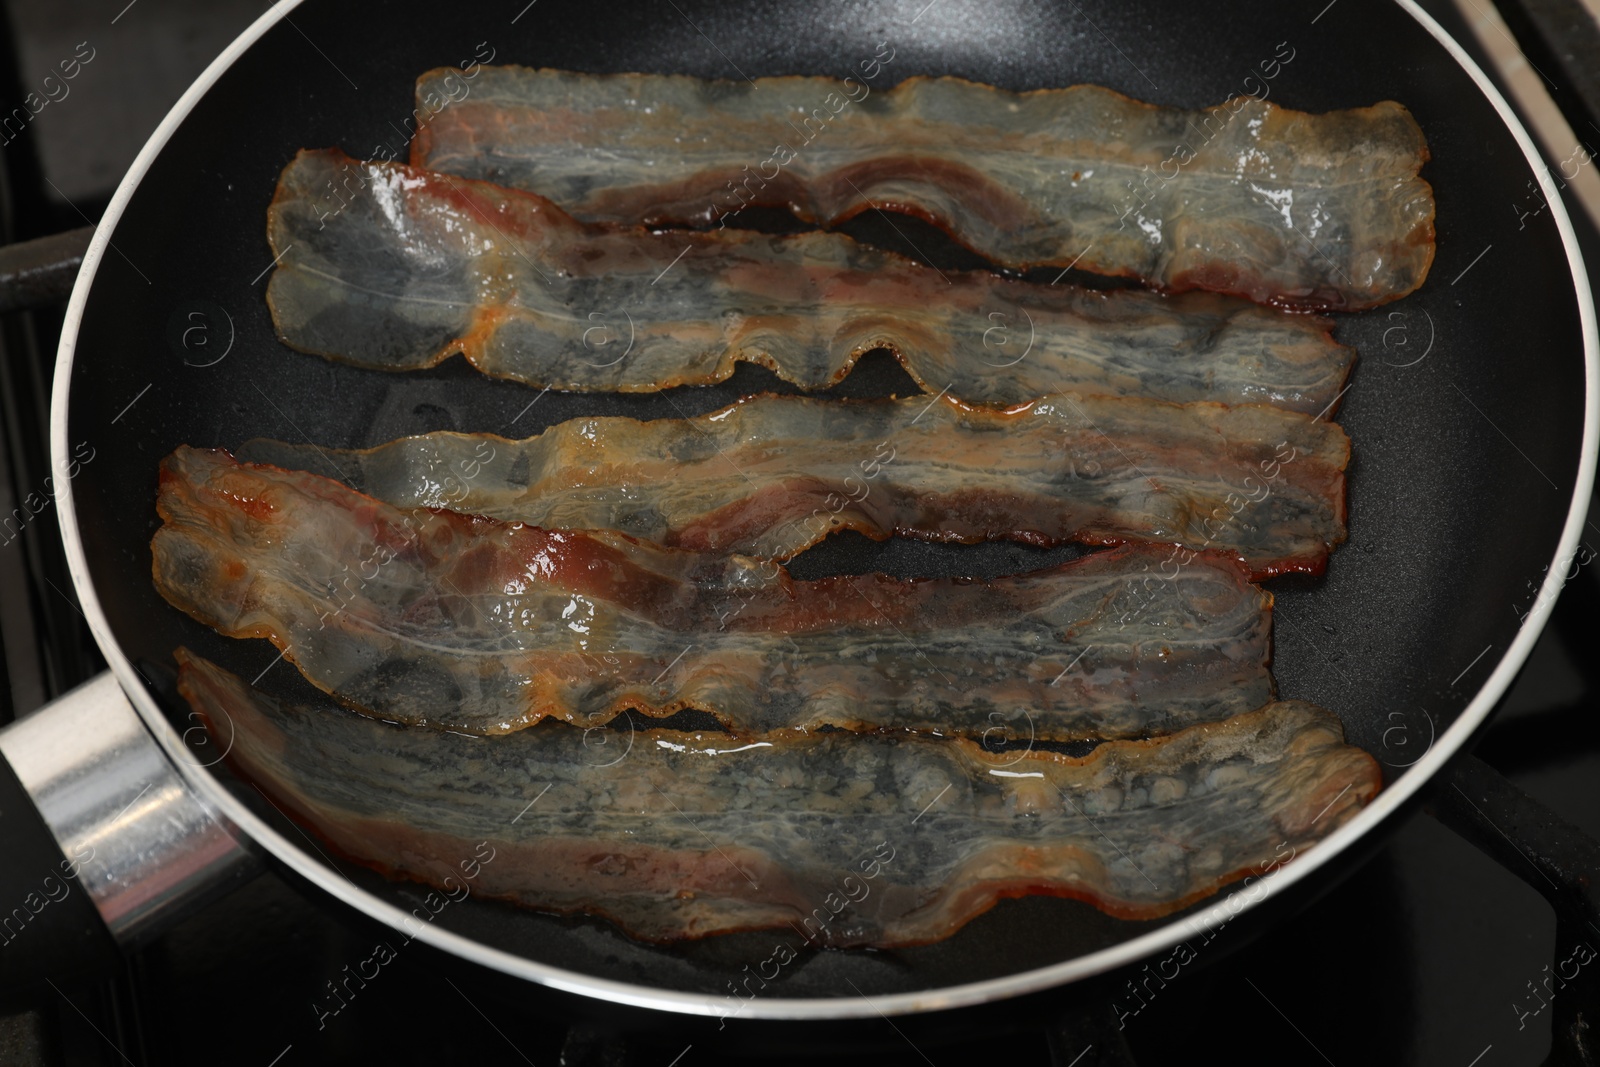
<point>1472,413</point>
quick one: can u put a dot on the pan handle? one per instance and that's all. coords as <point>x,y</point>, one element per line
<point>102,842</point>
<point>40,272</point>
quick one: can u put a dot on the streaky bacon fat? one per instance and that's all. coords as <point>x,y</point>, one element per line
<point>393,268</point>
<point>770,476</point>
<point>1322,211</point>
<point>436,618</point>
<point>848,840</point>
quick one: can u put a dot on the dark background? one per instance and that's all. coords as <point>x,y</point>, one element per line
<point>1415,959</point>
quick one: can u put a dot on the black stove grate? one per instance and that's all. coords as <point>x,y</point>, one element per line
<point>1435,951</point>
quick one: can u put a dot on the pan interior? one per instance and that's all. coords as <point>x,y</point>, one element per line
<point>1466,407</point>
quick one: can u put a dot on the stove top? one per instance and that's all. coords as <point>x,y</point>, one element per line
<point>1433,952</point>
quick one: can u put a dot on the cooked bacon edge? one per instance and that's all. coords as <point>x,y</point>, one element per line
<point>849,840</point>
<point>1284,207</point>
<point>393,268</point>
<point>770,476</point>
<point>466,623</point>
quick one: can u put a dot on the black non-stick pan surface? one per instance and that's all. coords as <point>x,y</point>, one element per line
<point>1466,410</point>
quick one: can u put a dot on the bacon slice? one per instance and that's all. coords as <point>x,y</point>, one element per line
<point>1283,207</point>
<point>393,268</point>
<point>770,476</point>
<point>437,618</point>
<point>845,839</point>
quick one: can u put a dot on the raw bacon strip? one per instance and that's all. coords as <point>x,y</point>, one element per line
<point>1284,207</point>
<point>770,476</point>
<point>432,617</point>
<point>685,835</point>
<point>388,267</point>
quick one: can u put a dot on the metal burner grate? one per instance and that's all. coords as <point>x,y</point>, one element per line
<point>1414,959</point>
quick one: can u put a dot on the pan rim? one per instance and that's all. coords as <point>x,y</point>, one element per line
<point>317,872</point>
